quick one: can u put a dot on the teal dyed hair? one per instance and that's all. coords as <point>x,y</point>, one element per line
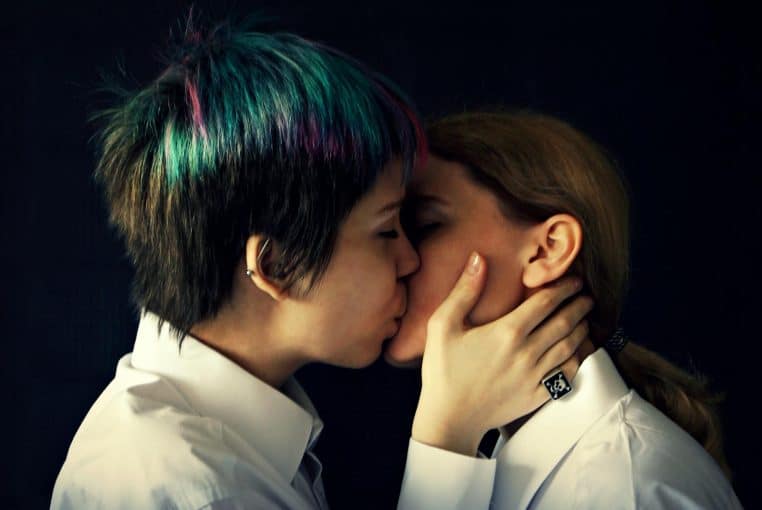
<point>267,95</point>
<point>243,133</point>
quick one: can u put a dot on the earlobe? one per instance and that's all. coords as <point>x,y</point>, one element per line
<point>553,247</point>
<point>259,254</point>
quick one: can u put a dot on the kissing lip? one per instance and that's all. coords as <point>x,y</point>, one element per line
<point>403,307</point>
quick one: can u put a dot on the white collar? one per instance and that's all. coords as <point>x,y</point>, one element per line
<point>527,458</point>
<point>281,426</point>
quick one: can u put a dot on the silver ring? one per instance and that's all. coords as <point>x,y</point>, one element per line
<point>557,384</point>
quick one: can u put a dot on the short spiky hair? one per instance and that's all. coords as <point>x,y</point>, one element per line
<point>243,133</point>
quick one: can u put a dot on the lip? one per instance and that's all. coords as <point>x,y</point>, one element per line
<point>397,323</point>
<point>403,304</point>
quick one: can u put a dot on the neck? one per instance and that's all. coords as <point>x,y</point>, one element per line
<point>250,341</point>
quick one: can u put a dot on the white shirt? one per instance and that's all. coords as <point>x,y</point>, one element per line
<point>187,428</point>
<point>603,447</point>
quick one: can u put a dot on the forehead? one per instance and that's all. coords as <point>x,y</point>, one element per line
<point>387,189</point>
<point>441,178</point>
<point>448,186</point>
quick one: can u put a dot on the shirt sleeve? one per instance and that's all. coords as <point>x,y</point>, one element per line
<point>439,479</point>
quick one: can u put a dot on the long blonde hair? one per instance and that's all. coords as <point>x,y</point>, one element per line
<point>538,166</point>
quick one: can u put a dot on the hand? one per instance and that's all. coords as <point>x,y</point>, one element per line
<point>481,378</point>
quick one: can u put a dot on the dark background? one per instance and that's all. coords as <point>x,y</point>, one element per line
<point>672,89</point>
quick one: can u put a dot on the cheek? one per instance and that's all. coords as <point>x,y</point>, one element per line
<point>370,293</point>
<point>427,289</point>
<point>502,292</point>
<point>441,266</point>
<point>355,294</point>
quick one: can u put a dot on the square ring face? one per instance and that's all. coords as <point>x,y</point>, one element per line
<point>557,385</point>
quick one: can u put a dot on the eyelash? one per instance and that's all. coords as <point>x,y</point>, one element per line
<point>427,227</point>
<point>389,234</point>
<point>419,232</point>
<point>424,230</point>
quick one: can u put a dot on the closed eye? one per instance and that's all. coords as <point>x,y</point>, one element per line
<point>389,234</point>
<point>427,227</point>
<point>420,232</point>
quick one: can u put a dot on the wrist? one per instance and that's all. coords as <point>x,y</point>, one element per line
<point>446,436</point>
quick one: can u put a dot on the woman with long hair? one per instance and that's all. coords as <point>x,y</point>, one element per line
<point>539,200</point>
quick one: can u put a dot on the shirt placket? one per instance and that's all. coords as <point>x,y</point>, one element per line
<point>315,469</point>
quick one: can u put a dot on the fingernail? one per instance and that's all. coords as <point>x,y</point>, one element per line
<point>577,283</point>
<point>474,263</point>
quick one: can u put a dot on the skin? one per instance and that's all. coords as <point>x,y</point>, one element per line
<point>451,216</point>
<point>345,319</point>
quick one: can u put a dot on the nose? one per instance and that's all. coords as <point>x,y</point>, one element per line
<point>408,260</point>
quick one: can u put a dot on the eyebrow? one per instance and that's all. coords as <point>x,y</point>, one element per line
<point>426,198</point>
<point>391,206</point>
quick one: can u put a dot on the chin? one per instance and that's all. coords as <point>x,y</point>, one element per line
<point>402,350</point>
<point>395,358</point>
<point>364,359</point>
<point>398,363</point>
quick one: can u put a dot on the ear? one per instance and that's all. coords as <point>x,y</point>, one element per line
<point>261,252</point>
<point>554,245</point>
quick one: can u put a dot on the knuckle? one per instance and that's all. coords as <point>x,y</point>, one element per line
<point>567,348</point>
<point>520,364</point>
<point>512,333</point>
<point>547,300</point>
<point>521,358</point>
<point>570,367</point>
<point>515,356</point>
<point>513,353</point>
<point>460,290</point>
<point>565,325</point>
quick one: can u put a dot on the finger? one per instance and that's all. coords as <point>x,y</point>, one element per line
<point>570,367</point>
<point>558,326</point>
<point>562,351</point>
<point>541,395</point>
<point>536,308</point>
<point>463,296</point>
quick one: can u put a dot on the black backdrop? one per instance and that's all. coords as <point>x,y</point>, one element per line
<point>671,88</point>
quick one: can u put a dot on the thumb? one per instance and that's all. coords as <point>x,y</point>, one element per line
<point>463,296</point>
